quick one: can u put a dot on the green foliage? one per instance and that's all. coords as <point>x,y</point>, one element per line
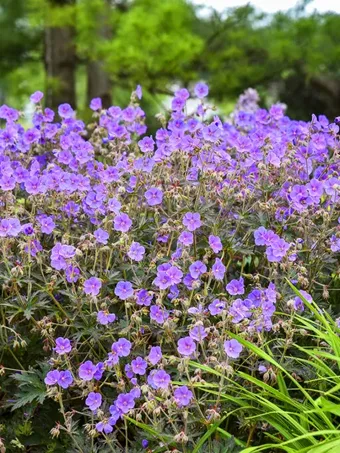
<point>153,44</point>
<point>298,399</point>
<point>291,57</point>
<point>31,387</point>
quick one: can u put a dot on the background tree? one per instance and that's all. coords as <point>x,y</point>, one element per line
<point>103,48</point>
<point>60,52</point>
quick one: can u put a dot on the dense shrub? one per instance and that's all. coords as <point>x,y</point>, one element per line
<point>148,284</point>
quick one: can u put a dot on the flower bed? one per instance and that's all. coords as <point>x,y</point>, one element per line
<point>149,284</point>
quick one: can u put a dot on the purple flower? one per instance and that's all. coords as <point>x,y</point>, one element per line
<point>124,290</point>
<point>260,236</point>
<point>104,426</point>
<point>122,222</point>
<point>335,243</point>
<point>198,333</point>
<point>201,90</point>
<point>125,402</point>
<point>262,369</point>
<point>72,274</point>
<point>63,345</point>
<point>139,92</point>
<point>116,414</point>
<point>128,371</point>
<point>155,355</point>
<point>163,281</point>
<point>145,443</point>
<point>96,104</point>
<point>92,286</point>
<point>174,292</point>
<point>239,310</point>
<point>144,298</point>
<point>93,400</point>
<point>114,205</point>
<point>192,220</point>
<point>163,238</point>
<point>216,307</point>
<point>158,314</point>
<point>197,269</point>
<point>186,238</point>
<point>10,227</point>
<point>65,379</point>
<point>122,347</point>
<point>101,236</point>
<point>183,396</point>
<point>136,251</point>
<point>183,94</point>
<point>65,111</point>
<point>235,287</point>
<point>218,269</point>
<point>186,346</point>
<point>52,377</point>
<point>104,317</point>
<point>278,250</point>
<point>146,145</point>
<point>161,379</point>
<point>99,371</point>
<point>175,275</point>
<point>135,392</point>
<point>36,97</point>
<point>215,243</point>
<point>46,224</point>
<point>298,302</point>
<point>233,348</point>
<point>139,366</point>
<point>87,371</point>
<point>153,196</point>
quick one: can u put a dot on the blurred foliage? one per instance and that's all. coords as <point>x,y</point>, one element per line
<point>291,57</point>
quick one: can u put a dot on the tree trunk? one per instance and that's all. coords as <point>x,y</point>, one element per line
<point>98,83</point>
<point>98,80</point>
<point>60,63</point>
